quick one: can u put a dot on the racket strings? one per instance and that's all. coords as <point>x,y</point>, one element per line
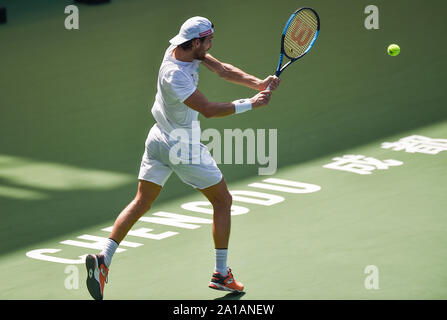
<point>300,33</point>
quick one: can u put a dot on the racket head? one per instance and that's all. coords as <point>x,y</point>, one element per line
<point>300,33</point>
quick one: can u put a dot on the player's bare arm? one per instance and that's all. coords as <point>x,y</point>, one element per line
<point>236,75</point>
<point>197,101</point>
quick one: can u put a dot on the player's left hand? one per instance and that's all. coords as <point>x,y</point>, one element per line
<point>273,81</point>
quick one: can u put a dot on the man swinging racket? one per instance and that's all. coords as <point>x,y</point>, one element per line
<point>177,106</point>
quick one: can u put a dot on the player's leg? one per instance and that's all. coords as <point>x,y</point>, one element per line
<point>146,195</point>
<point>221,200</point>
<point>206,177</point>
<point>98,264</point>
<point>152,176</point>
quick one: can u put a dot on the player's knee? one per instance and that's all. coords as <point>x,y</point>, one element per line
<point>223,202</point>
<point>230,199</point>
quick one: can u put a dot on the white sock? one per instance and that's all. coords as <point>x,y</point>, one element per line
<point>108,251</point>
<point>221,261</point>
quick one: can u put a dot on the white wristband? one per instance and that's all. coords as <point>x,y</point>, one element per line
<point>242,105</point>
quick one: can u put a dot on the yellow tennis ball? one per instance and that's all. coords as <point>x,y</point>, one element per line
<point>393,50</point>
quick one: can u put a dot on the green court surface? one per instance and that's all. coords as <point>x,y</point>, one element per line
<point>74,115</point>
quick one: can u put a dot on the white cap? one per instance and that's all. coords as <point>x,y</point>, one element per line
<point>195,27</point>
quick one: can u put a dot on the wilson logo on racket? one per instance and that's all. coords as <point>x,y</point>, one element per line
<point>300,38</point>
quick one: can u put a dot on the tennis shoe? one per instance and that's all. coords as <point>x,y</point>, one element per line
<point>97,275</point>
<point>227,283</point>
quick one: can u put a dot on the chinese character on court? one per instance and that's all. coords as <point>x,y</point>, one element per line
<point>419,144</point>
<point>360,164</point>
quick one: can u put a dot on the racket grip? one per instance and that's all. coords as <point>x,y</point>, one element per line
<point>268,87</point>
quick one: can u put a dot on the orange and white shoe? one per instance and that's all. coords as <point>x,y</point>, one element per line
<point>227,283</point>
<point>96,275</point>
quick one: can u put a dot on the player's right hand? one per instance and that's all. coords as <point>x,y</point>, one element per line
<point>261,99</point>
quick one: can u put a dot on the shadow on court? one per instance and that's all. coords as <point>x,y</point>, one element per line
<point>232,296</point>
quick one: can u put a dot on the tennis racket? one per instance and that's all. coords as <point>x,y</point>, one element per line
<point>299,35</point>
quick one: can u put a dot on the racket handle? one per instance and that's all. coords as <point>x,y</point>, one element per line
<point>268,87</point>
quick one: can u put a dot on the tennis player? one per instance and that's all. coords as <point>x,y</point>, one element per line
<point>177,105</point>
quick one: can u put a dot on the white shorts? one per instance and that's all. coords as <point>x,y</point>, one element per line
<point>198,170</point>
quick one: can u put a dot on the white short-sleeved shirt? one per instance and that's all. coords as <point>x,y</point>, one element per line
<point>177,80</point>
